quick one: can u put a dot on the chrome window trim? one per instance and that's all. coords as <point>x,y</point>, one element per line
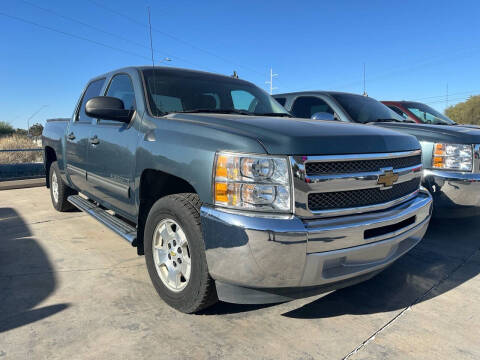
<point>304,184</point>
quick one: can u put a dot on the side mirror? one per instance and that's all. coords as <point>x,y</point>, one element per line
<point>323,116</point>
<point>108,108</point>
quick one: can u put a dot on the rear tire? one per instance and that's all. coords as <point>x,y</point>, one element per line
<point>175,253</point>
<point>59,191</point>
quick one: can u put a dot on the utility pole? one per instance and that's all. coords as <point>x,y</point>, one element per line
<point>272,75</point>
<point>446,98</point>
<point>31,117</point>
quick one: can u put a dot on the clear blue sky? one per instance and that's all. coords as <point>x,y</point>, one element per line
<point>412,49</point>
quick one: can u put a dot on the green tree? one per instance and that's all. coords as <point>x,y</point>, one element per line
<point>6,128</point>
<point>36,129</point>
<point>467,112</point>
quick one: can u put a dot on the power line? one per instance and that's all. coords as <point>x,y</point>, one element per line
<point>96,28</point>
<point>417,65</point>
<point>173,37</point>
<point>79,37</point>
<point>450,100</point>
<point>442,96</point>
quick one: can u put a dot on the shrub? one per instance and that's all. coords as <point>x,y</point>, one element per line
<point>6,128</point>
<point>19,142</point>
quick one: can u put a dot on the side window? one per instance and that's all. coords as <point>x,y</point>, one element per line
<point>93,89</point>
<point>398,111</point>
<point>242,100</point>
<point>281,100</point>
<point>306,106</point>
<point>121,87</point>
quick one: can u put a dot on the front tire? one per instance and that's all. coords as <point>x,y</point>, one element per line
<point>175,253</point>
<point>59,191</point>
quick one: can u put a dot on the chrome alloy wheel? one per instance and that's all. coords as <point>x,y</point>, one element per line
<point>171,255</point>
<point>55,187</point>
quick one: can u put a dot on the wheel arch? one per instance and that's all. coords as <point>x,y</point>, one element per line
<point>50,156</point>
<point>154,185</point>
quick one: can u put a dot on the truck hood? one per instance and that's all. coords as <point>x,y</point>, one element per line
<point>437,133</point>
<point>292,136</point>
<point>469,126</point>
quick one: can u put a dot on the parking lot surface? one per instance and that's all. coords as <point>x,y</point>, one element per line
<point>71,289</point>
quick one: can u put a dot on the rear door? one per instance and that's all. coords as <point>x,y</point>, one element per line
<point>77,138</point>
<point>111,152</point>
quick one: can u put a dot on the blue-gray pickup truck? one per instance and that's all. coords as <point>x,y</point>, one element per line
<point>451,153</point>
<point>227,195</point>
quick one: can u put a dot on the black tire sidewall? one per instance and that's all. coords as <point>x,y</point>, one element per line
<point>168,207</point>
<point>54,169</point>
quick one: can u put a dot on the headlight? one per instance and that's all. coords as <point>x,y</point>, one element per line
<point>252,182</point>
<point>452,157</point>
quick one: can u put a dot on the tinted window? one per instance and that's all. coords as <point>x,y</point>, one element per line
<point>363,109</point>
<point>242,100</point>
<point>93,89</point>
<point>121,87</point>
<point>398,111</point>
<point>281,100</point>
<point>306,106</point>
<point>428,115</point>
<point>177,91</point>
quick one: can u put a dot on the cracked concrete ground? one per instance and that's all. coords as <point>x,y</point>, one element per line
<point>71,289</point>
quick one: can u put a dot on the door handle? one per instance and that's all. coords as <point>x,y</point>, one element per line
<point>94,140</point>
<point>71,136</point>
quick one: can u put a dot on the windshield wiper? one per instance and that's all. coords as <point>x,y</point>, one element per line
<point>273,114</point>
<point>216,111</point>
<point>385,120</point>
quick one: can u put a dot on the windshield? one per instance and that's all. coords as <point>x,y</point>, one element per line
<point>427,115</point>
<point>188,91</point>
<point>363,109</point>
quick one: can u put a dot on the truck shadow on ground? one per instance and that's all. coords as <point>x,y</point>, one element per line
<point>414,278</point>
<point>26,275</point>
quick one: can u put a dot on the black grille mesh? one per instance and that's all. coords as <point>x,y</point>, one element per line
<point>356,198</point>
<point>356,166</point>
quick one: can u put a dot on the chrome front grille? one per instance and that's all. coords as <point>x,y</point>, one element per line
<point>348,184</point>
<point>357,166</point>
<point>359,198</point>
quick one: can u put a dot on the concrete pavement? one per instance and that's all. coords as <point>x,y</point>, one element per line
<point>71,289</point>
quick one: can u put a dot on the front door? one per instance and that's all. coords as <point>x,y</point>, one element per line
<point>77,138</point>
<point>111,152</point>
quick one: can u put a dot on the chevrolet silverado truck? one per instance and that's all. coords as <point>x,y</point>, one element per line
<point>228,196</point>
<point>451,153</point>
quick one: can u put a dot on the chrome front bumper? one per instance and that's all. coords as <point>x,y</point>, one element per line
<point>251,251</point>
<point>452,190</point>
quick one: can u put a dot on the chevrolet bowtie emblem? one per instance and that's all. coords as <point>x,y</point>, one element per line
<point>387,179</point>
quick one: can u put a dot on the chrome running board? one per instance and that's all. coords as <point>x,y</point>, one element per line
<point>120,227</point>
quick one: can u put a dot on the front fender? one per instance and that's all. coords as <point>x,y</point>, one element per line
<point>187,150</point>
